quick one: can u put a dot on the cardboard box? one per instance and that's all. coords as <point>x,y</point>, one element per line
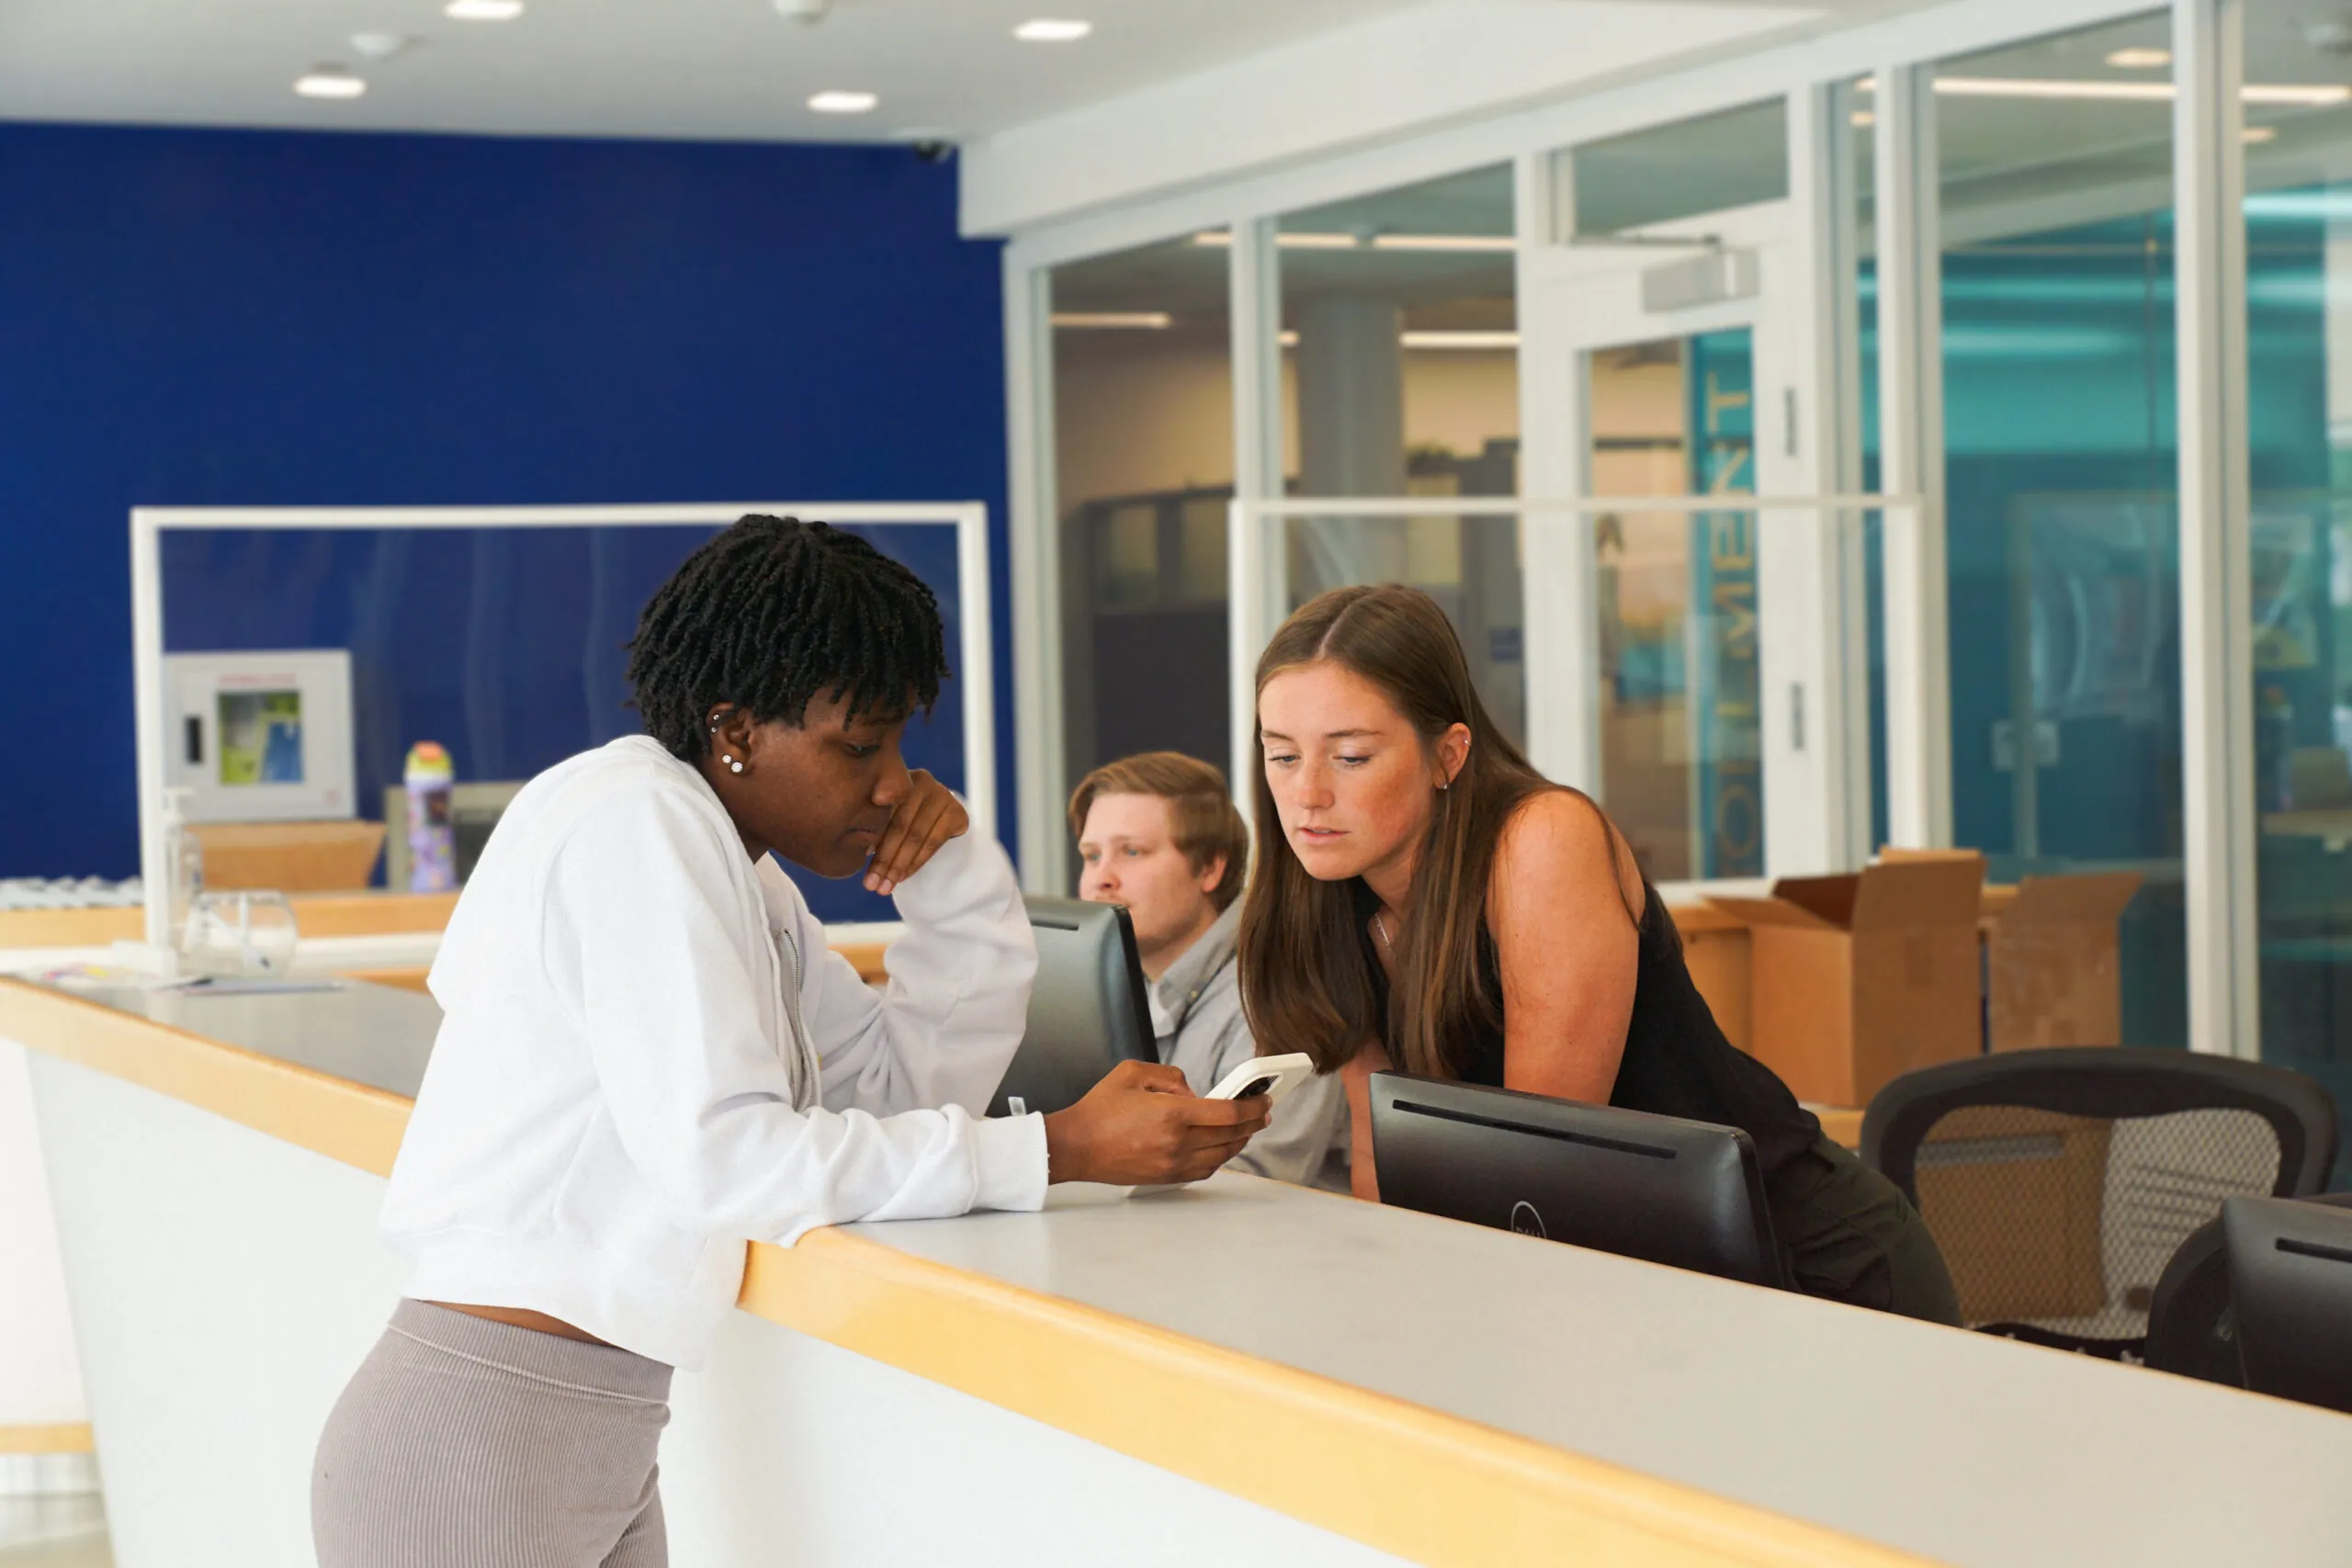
<point>2013,1196</point>
<point>1716,949</point>
<point>2051,973</point>
<point>1858,980</point>
<point>289,857</point>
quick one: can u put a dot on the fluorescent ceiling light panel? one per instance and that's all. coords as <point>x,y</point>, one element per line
<point>837,101</point>
<point>1308,241</point>
<point>2299,97</point>
<point>1443,243</point>
<point>2323,95</point>
<point>1052,29</point>
<point>1432,339</point>
<point>2258,133</point>
<point>1469,340</point>
<point>2140,59</point>
<point>1133,320</point>
<point>482,10</point>
<point>2037,87</point>
<point>330,81</point>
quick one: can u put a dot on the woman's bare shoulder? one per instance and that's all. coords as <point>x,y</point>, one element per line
<point>1559,840</point>
<point>1555,822</point>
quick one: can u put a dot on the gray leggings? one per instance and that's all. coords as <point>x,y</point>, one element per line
<point>466,1443</point>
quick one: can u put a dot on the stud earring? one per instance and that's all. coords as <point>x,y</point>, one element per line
<point>732,763</point>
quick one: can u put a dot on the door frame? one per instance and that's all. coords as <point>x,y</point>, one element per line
<point>1585,298</point>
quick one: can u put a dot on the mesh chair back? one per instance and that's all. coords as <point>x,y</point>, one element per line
<point>2059,1183</point>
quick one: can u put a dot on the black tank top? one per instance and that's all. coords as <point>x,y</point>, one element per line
<point>1677,1062</point>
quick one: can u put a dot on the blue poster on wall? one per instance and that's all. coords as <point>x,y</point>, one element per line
<point>1726,759</point>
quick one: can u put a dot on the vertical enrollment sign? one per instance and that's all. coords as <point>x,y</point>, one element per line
<point>1726,759</point>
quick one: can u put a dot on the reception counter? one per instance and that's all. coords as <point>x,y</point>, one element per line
<point>1241,1372</point>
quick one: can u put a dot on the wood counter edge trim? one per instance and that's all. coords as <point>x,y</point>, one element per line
<point>54,1437</point>
<point>1418,1484</point>
<point>344,1121</point>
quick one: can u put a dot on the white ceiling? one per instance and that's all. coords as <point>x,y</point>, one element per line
<point>719,69</point>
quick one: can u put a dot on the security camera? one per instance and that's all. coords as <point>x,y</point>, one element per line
<point>933,152</point>
<point>804,10</point>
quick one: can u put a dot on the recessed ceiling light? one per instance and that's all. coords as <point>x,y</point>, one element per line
<point>2261,134</point>
<point>482,10</point>
<point>2140,59</point>
<point>1052,29</point>
<point>1864,118</point>
<point>837,102</point>
<point>330,81</point>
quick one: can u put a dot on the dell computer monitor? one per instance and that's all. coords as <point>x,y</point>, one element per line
<point>2290,1280</point>
<point>1086,1011</point>
<point>1657,1187</point>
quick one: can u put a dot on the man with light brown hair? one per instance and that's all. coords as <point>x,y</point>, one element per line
<point>1159,833</point>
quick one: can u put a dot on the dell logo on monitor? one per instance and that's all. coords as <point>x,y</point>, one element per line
<point>1526,1221</point>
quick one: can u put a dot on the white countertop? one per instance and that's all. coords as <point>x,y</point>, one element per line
<point>1951,1445</point>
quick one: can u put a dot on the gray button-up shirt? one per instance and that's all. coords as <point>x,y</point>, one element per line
<point>1203,1035</point>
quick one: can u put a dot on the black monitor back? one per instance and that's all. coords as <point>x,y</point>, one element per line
<point>1686,1193</point>
<point>2290,1280</point>
<point>1087,1012</point>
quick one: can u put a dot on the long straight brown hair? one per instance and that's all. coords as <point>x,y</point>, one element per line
<point>1306,976</point>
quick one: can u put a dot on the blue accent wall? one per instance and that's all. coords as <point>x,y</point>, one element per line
<point>196,318</point>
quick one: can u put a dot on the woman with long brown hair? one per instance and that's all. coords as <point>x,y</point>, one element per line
<point>1424,898</point>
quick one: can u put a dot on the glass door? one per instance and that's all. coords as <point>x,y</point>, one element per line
<point>1711,722</point>
<point>1681,746</point>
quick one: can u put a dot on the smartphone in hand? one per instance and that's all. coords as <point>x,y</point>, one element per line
<point>1273,1076</point>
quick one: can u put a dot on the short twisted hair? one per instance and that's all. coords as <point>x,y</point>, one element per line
<point>773,612</point>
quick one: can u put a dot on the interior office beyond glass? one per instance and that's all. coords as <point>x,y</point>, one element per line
<point>2054,223</point>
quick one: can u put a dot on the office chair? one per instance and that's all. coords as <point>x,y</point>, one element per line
<point>2060,1182</point>
<point>2192,1323</point>
<point>2290,1280</point>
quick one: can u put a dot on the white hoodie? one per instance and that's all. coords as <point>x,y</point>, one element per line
<point>649,1054</point>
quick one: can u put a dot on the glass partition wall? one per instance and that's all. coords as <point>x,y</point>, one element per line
<point>1143,457</point>
<point>2298,215</point>
<point>1399,338</point>
<point>2062,515</point>
<point>2044,273</point>
<point>289,659</point>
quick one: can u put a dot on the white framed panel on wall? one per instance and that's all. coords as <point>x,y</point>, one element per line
<point>972,658</point>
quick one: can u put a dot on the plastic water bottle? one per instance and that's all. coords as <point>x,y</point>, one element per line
<point>432,842</point>
<point>183,867</point>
